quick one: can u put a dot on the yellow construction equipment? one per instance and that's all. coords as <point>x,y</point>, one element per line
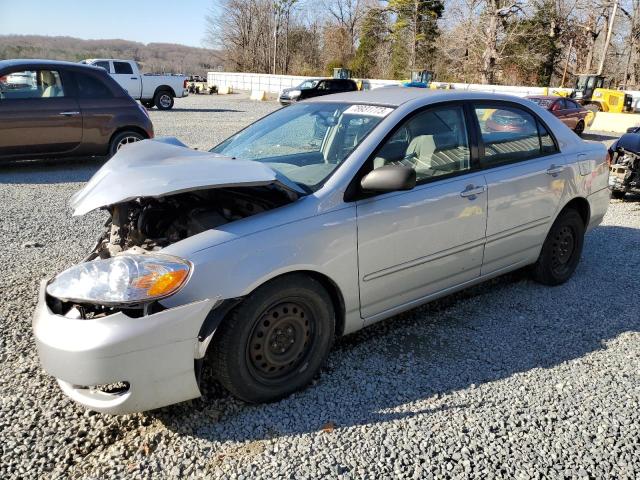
<point>590,91</point>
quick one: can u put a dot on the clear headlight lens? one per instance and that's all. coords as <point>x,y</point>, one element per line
<point>125,279</point>
<point>294,93</point>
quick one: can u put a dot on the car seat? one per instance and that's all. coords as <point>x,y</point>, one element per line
<point>50,84</point>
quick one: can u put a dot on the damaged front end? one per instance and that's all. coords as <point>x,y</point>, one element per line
<point>157,194</point>
<point>160,193</point>
<point>624,171</point>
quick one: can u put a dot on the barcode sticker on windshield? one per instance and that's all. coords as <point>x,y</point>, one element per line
<point>371,110</point>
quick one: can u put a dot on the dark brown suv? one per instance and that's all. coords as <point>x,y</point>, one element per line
<point>56,109</point>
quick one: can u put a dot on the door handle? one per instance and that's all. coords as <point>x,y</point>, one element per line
<point>554,170</point>
<point>69,114</point>
<point>134,78</point>
<point>472,191</point>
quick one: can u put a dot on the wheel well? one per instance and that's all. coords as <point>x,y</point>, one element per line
<point>129,128</point>
<point>328,284</point>
<point>581,206</point>
<point>162,88</point>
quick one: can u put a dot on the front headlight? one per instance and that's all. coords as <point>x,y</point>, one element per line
<point>294,93</point>
<point>121,280</point>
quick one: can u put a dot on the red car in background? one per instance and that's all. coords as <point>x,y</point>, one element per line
<point>571,113</point>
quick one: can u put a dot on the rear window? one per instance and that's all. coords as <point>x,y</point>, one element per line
<point>122,68</point>
<point>543,102</point>
<point>91,87</point>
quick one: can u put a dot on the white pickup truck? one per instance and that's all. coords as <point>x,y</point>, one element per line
<point>150,88</point>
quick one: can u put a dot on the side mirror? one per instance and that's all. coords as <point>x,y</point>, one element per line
<point>389,178</point>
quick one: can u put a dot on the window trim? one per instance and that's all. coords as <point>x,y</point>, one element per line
<point>353,191</point>
<point>505,103</point>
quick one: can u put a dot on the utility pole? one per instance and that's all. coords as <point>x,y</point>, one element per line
<point>566,64</point>
<point>607,40</point>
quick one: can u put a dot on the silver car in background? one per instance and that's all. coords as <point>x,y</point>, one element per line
<point>314,222</point>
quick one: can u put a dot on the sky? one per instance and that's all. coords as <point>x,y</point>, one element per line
<point>167,21</point>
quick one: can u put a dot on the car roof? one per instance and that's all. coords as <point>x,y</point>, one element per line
<point>35,62</point>
<point>544,97</point>
<point>396,96</point>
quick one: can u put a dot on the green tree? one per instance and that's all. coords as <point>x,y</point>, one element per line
<point>373,34</point>
<point>414,34</point>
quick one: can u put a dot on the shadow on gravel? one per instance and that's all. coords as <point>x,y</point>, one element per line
<point>427,357</point>
<point>599,137</point>
<point>49,171</point>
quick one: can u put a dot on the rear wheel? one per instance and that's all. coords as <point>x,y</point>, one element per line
<point>123,138</point>
<point>617,194</point>
<point>276,340</point>
<point>561,250</point>
<point>579,128</point>
<point>163,100</point>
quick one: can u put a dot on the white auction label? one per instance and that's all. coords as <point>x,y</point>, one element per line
<point>371,110</point>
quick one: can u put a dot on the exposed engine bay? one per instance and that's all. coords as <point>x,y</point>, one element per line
<point>154,223</point>
<point>624,172</point>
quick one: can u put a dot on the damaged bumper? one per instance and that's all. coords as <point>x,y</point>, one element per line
<point>150,358</point>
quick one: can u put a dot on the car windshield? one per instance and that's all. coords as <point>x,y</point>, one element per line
<point>543,102</point>
<point>305,142</point>
<point>307,84</point>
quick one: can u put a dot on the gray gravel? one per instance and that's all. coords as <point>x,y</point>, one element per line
<point>508,380</point>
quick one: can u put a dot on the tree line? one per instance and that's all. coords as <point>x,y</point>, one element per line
<point>532,42</point>
<point>152,57</point>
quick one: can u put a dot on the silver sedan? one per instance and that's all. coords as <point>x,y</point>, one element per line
<point>314,222</point>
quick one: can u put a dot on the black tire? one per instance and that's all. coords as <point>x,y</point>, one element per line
<point>163,100</point>
<point>579,128</point>
<point>618,194</point>
<point>123,138</point>
<point>276,340</point>
<point>561,250</point>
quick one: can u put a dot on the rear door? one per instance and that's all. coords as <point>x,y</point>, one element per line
<point>526,178</point>
<point>124,75</point>
<point>39,114</point>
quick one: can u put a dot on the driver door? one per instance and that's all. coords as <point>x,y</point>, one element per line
<point>418,243</point>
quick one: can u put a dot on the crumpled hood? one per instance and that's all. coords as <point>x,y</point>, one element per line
<point>155,169</point>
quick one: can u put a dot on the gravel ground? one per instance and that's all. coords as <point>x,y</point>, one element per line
<point>509,379</point>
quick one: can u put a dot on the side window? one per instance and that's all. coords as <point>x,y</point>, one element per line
<point>547,145</point>
<point>19,85</point>
<point>104,65</point>
<point>433,143</point>
<point>31,84</point>
<point>511,134</point>
<point>122,68</point>
<point>91,87</point>
<point>323,86</point>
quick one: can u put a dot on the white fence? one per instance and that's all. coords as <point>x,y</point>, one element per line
<point>276,83</point>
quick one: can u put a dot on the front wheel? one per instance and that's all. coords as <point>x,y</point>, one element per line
<point>276,340</point>
<point>163,100</point>
<point>561,250</point>
<point>122,139</point>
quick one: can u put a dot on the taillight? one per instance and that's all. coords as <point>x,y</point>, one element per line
<point>608,158</point>
<point>184,84</point>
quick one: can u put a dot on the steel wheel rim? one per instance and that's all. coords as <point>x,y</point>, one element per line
<point>165,100</point>
<point>280,341</point>
<point>563,249</point>
<point>126,141</point>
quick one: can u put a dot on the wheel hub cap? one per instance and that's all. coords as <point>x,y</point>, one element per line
<point>280,340</point>
<point>563,247</point>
